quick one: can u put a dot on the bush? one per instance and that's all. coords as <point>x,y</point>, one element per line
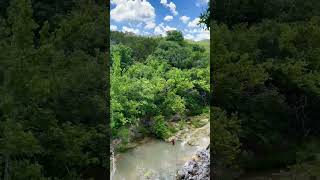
<point>124,134</point>
<point>225,136</point>
<point>160,128</point>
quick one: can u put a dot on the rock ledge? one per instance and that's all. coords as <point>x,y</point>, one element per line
<point>196,169</point>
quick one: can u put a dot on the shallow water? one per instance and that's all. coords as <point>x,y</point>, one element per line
<point>152,160</point>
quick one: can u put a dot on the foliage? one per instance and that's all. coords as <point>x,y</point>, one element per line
<point>226,139</point>
<point>125,54</point>
<point>307,170</point>
<point>52,88</point>
<point>175,36</point>
<point>160,128</point>
<point>141,46</point>
<point>148,92</point>
<point>266,74</point>
<point>255,11</point>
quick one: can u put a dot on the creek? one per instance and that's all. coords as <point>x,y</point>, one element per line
<point>157,159</point>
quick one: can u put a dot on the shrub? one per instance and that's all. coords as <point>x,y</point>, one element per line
<point>160,127</point>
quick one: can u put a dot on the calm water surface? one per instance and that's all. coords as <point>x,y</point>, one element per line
<point>152,160</point>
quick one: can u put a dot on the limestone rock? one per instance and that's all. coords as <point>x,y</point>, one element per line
<point>196,169</point>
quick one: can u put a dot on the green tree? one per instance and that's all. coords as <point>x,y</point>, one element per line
<point>264,71</point>
<point>52,87</point>
<point>176,36</point>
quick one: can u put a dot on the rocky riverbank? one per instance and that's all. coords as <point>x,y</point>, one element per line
<point>194,136</point>
<point>198,168</point>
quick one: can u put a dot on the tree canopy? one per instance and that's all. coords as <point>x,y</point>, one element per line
<point>265,73</point>
<point>52,88</point>
<point>145,93</point>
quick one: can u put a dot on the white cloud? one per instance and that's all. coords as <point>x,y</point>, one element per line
<point>194,23</point>
<point>113,27</point>
<point>198,35</point>
<point>201,2</point>
<point>117,1</point>
<point>158,31</point>
<point>150,25</point>
<point>132,11</point>
<point>163,1</point>
<point>189,36</point>
<point>202,36</point>
<point>168,18</point>
<point>196,30</point>
<point>128,29</point>
<point>171,6</point>
<point>162,30</point>
<point>184,19</point>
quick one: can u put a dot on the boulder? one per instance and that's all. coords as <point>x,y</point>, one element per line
<point>196,169</point>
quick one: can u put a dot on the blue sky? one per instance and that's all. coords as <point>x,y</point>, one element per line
<point>155,17</point>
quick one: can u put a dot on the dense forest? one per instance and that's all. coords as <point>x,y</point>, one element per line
<point>155,80</point>
<point>265,70</point>
<point>53,89</point>
<point>264,99</point>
